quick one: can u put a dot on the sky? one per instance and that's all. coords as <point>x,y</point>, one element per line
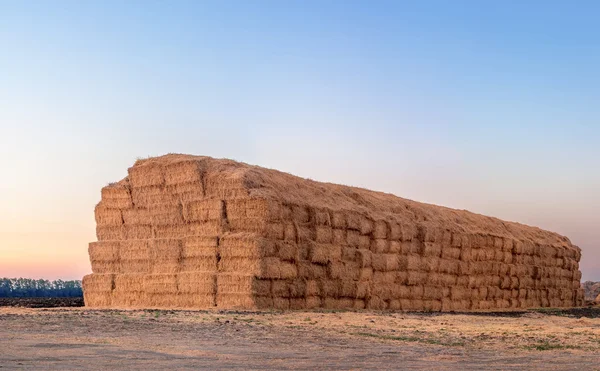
<point>486,106</point>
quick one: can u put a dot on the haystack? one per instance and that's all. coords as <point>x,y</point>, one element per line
<point>195,232</point>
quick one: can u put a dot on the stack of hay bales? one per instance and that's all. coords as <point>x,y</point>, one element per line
<point>195,232</point>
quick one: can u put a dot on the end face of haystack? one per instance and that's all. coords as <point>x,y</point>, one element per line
<point>194,232</point>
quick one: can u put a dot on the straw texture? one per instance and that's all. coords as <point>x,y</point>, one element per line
<point>195,232</point>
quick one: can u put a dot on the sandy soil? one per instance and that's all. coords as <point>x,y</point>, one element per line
<point>78,338</point>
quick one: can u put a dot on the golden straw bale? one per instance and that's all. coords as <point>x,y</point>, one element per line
<point>409,232</point>
<point>297,303</point>
<point>310,271</point>
<point>165,214</point>
<point>243,245</point>
<point>381,230</point>
<point>359,304</point>
<point>430,263</point>
<point>280,288</point>
<point>106,216</point>
<point>147,174</point>
<point>301,214</point>
<point>395,231</point>
<point>412,247</point>
<point>197,282</point>
<point>116,196</point>
<point>138,232</point>
<point>313,302</point>
<point>339,237</point>
<point>363,290</point>
<point>363,256</point>
<point>322,217</point>
<point>98,283</point>
<point>376,303</point>
<point>348,288</point>
<point>331,288</point>
<point>324,234</point>
<point>160,283</point>
<point>416,278</point>
<point>365,274</point>
<point>337,303</point>
<point>364,242</point>
<point>432,293</point>
<point>450,253</point>
<point>432,305</point>
<point>338,220</point>
<point>186,192</point>
<point>110,233</point>
<point>287,251</point>
<point>343,270</point>
<point>409,262</point>
<point>395,247</point>
<point>457,239</point>
<point>380,246</point>
<point>431,249</point>
<point>323,254</point>
<point>385,262</point>
<point>353,220</point>
<point>146,196</point>
<point>203,210</point>
<point>104,251</point>
<point>209,228</point>
<point>137,216</point>
<point>312,288</point>
<point>353,238</point>
<point>350,254</point>
<point>235,300</point>
<point>183,172</point>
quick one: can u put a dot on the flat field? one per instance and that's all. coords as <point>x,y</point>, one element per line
<point>80,338</point>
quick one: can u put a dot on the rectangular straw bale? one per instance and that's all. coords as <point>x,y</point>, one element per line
<point>353,220</point>
<point>281,288</point>
<point>385,262</point>
<point>381,230</point>
<point>138,232</point>
<point>116,196</point>
<point>365,274</point>
<point>383,292</point>
<point>322,217</point>
<point>166,214</point>
<point>183,172</point>
<point>331,288</point>
<point>289,232</point>
<point>146,196</point>
<point>431,249</point>
<point>430,263</point>
<point>203,210</point>
<point>105,266</point>
<point>301,214</point>
<point>338,220</point>
<point>129,282</point>
<point>239,283</point>
<point>310,271</point>
<point>98,283</point>
<point>449,266</point>
<point>148,174</point>
<point>106,216</point>
<point>416,278</point>
<point>337,303</point>
<point>363,289</point>
<point>243,245</point>
<point>186,192</point>
<point>160,283</point>
<point>380,246</point>
<point>323,254</point>
<point>110,233</point>
<point>339,237</point>
<point>350,254</point>
<point>409,263</point>
<point>166,255</point>
<point>364,242</point>
<point>104,251</point>
<point>343,270</point>
<point>353,238</point>
<point>452,253</point>
<point>412,247</point>
<point>363,257</point>
<point>127,300</point>
<point>313,302</point>
<point>253,208</point>
<point>432,293</point>
<point>97,299</point>
<point>209,228</point>
<point>395,231</point>
<point>137,216</point>
<point>313,288</point>
<point>409,232</point>
<point>324,234</point>
<point>287,251</point>
<point>395,247</point>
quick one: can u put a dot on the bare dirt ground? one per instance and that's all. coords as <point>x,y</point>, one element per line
<point>79,338</point>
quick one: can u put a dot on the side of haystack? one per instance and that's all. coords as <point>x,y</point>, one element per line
<point>195,232</point>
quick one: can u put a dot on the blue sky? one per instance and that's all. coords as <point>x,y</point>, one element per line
<point>486,106</point>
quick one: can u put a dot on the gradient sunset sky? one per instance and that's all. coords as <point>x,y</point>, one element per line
<point>487,106</point>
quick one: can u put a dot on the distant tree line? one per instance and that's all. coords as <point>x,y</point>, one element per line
<point>30,288</point>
